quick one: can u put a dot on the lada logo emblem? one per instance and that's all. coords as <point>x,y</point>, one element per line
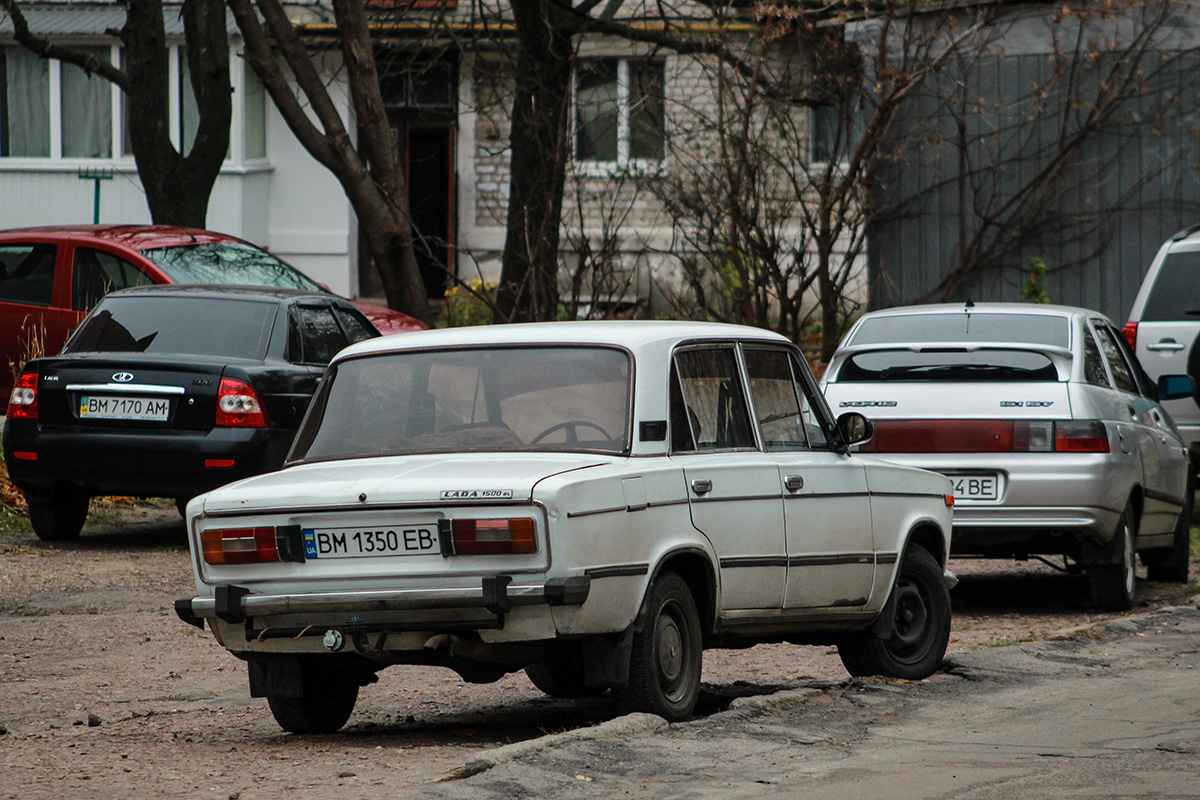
<point>123,377</point>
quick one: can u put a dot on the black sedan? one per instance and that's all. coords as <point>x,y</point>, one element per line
<point>169,391</point>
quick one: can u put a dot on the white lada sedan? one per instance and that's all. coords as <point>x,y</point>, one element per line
<point>594,503</point>
<point>1041,417</point>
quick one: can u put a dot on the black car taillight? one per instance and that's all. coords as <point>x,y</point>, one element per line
<point>987,436</point>
<point>23,402</point>
<point>238,406</point>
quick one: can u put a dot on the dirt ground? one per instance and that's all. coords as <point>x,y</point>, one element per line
<point>104,693</point>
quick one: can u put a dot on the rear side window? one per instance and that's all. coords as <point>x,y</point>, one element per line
<point>321,334</point>
<point>714,405</point>
<point>27,273</point>
<point>97,273</point>
<point>192,325</point>
<point>1175,295</point>
<point>944,364</point>
<point>1116,362</point>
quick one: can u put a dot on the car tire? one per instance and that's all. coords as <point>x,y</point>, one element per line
<point>1111,585</point>
<point>668,649</point>
<point>1170,564</point>
<point>560,677</point>
<point>57,515</point>
<point>327,700</point>
<point>916,644</point>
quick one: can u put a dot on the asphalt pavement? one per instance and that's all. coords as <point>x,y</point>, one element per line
<point>1103,712</point>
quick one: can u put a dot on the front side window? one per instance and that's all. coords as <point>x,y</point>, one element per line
<point>620,112</point>
<point>786,418</point>
<point>460,400</point>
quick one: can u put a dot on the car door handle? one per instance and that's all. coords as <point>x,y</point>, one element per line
<point>793,483</point>
<point>1169,345</point>
<point>701,486</point>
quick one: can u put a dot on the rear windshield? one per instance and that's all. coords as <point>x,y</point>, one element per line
<point>234,263</point>
<point>942,365</point>
<point>530,398</point>
<point>192,325</point>
<point>960,326</point>
<point>1176,292</point>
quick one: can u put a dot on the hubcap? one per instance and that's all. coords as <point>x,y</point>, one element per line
<point>670,651</point>
<point>912,616</point>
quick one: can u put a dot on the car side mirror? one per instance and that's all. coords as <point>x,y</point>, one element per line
<point>1175,387</point>
<point>854,428</point>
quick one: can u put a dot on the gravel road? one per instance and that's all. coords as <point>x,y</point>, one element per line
<point>104,693</point>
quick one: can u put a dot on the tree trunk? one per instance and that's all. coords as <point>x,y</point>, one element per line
<point>528,288</point>
<point>178,187</point>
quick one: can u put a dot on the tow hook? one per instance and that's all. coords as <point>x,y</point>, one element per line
<point>333,640</point>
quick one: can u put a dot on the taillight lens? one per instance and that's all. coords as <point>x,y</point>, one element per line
<point>22,403</point>
<point>239,545</point>
<point>987,436</point>
<point>1087,436</point>
<point>238,406</point>
<point>492,536</point>
<point>1130,331</point>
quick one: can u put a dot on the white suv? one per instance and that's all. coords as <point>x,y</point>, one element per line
<point>1164,323</point>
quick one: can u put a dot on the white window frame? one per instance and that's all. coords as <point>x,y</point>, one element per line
<point>120,157</point>
<point>624,163</point>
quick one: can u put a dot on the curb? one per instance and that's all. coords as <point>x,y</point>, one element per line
<point>628,724</point>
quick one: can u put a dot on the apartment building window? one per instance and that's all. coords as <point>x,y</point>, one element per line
<point>49,109</point>
<point>53,110</point>
<point>620,119</point>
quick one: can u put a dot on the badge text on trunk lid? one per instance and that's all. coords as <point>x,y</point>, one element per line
<point>477,494</point>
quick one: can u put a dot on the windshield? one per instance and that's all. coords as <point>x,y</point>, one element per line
<point>944,364</point>
<point>236,263</point>
<point>959,326</point>
<point>528,398</point>
<point>193,325</point>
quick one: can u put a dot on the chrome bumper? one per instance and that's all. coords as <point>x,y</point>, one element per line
<point>496,595</point>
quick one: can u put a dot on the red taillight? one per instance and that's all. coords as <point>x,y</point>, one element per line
<point>238,406</point>
<point>239,545</point>
<point>942,436</point>
<point>22,403</point>
<point>1087,436</point>
<point>1130,331</point>
<point>987,436</point>
<point>492,536</point>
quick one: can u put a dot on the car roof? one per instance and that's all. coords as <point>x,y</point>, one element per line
<point>212,291</point>
<point>135,237</point>
<point>986,308</point>
<point>622,333</point>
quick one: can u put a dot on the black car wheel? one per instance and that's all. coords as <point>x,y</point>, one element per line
<point>327,700</point>
<point>664,670</point>
<point>1111,581</point>
<point>58,514</point>
<point>916,644</point>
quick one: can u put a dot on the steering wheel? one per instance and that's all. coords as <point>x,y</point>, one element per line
<point>572,428</point>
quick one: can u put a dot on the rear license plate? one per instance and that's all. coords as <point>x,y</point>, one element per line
<point>144,409</point>
<point>398,540</point>
<point>976,486</point>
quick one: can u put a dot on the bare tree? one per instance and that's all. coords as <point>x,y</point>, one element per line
<point>368,169</point>
<point>177,186</point>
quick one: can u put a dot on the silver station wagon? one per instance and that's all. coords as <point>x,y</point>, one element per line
<point>594,503</point>
<point>1053,437</point>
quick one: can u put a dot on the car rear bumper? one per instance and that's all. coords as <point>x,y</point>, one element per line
<point>139,463</point>
<point>259,619</point>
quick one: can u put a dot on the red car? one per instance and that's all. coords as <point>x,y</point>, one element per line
<point>51,277</point>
